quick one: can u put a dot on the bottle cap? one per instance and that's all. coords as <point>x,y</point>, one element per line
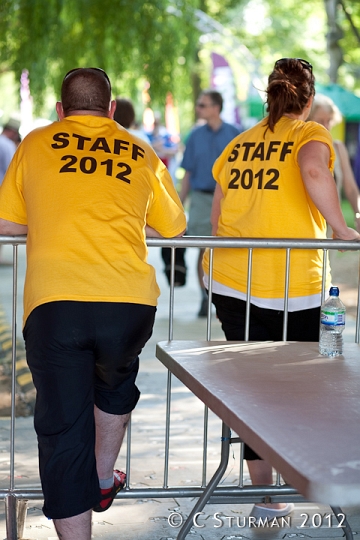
<point>334,291</point>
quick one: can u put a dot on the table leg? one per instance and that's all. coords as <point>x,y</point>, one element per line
<point>340,516</point>
<point>15,510</point>
<point>225,450</point>
<point>21,516</point>
<point>11,517</point>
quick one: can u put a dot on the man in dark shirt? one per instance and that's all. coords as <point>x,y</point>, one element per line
<point>204,146</point>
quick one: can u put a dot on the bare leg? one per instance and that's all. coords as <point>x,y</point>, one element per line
<point>78,527</point>
<point>110,431</point>
<point>261,474</point>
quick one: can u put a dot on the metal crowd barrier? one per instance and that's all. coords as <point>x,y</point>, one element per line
<point>16,499</point>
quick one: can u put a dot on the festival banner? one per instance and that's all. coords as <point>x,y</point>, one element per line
<point>222,80</point>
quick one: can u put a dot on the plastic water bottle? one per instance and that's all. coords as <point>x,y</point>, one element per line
<point>332,324</point>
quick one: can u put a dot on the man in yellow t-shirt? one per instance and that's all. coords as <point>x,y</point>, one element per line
<point>87,193</point>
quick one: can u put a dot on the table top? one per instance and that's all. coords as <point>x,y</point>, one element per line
<point>294,407</point>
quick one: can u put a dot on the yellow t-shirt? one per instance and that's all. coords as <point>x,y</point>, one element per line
<point>86,188</point>
<point>265,197</point>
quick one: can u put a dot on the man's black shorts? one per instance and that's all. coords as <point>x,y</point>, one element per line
<point>80,354</point>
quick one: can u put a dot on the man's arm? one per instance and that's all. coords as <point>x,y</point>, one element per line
<point>313,159</point>
<point>152,233</point>
<point>10,228</point>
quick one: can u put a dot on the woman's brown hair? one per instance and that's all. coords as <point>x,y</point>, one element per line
<point>291,84</point>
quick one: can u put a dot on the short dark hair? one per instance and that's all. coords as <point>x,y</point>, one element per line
<point>124,113</point>
<point>86,89</point>
<point>215,97</point>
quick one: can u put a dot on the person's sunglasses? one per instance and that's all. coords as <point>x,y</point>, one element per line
<point>93,69</point>
<point>305,64</point>
<point>204,105</point>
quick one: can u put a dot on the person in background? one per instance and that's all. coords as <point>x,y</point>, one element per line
<point>125,116</point>
<point>9,140</point>
<point>166,148</point>
<point>274,181</point>
<point>162,142</point>
<point>203,146</point>
<point>90,295</point>
<point>325,112</point>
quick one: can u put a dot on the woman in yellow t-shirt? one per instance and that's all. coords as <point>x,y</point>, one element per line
<point>274,181</point>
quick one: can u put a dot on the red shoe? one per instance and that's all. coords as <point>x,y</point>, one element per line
<point>108,495</point>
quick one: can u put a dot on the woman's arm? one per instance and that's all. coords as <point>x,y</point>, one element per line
<point>313,159</point>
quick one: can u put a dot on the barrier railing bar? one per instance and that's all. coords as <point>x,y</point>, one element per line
<point>241,470</point>
<point>325,264</point>
<point>324,270</point>
<point>286,296</point>
<point>128,454</point>
<point>225,242</point>
<point>263,243</point>
<point>208,337</point>
<point>211,268</point>
<point>248,295</point>
<point>167,430</point>
<point>205,445</point>
<point>172,295</point>
<point>168,386</point>
<point>169,376</point>
<point>249,491</point>
<point>13,368</point>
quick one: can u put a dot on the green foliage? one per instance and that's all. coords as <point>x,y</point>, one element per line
<point>271,29</point>
<point>157,41</point>
<point>130,39</point>
<point>349,72</point>
<point>348,213</point>
<point>217,9</point>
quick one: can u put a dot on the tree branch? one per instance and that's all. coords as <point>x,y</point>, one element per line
<point>349,18</point>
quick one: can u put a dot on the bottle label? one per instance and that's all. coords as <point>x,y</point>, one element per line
<point>330,318</point>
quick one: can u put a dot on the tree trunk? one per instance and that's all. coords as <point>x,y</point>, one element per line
<point>333,36</point>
